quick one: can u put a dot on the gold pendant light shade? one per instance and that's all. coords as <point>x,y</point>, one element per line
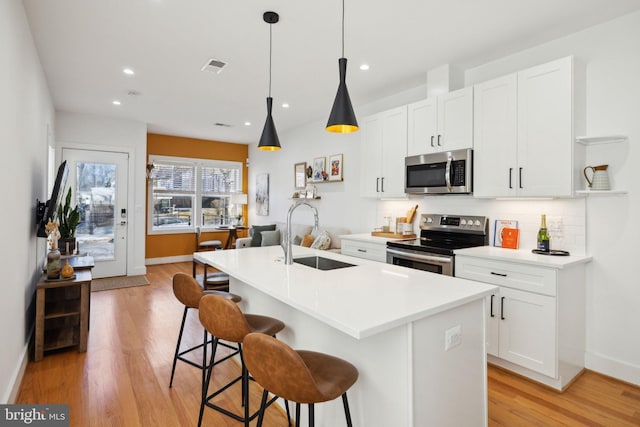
<point>342,118</point>
<point>269,140</point>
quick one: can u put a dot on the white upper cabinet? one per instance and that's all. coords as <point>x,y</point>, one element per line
<point>441,123</point>
<point>382,153</point>
<point>523,133</point>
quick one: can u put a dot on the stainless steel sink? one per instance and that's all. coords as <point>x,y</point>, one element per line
<point>322,263</point>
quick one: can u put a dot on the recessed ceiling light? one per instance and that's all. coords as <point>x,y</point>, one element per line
<point>285,105</point>
<point>247,123</point>
<point>364,67</point>
<point>128,71</point>
<point>116,102</point>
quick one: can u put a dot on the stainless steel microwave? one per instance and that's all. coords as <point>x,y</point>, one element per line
<point>447,172</point>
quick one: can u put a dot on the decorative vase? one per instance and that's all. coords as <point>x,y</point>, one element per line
<point>67,270</point>
<point>53,264</point>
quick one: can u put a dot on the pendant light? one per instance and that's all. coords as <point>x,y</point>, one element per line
<point>269,140</point>
<point>342,118</point>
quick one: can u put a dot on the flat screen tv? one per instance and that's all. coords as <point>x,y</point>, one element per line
<point>47,210</point>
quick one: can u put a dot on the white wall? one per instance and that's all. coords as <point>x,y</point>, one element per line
<point>90,132</point>
<point>26,124</point>
<point>602,227</point>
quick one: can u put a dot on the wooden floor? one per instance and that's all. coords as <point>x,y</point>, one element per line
<point>123,378</point>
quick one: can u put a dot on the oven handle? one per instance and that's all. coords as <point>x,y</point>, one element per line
<point>447,174</point>
<point>415,257</point>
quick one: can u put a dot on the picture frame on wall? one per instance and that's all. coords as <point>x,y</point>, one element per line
<point>319,169</point>
<point>335,167</point>
<point>262,194</point>
<point>300,175</point>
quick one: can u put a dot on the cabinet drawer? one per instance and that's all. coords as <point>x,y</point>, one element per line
<point>512,275</point>
<point>367,250</point>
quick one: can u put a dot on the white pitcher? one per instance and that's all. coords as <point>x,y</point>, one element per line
<point>599,179</point>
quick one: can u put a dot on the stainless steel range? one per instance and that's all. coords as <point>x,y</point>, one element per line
<point>440,235</point>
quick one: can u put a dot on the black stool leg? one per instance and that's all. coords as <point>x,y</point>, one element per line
<point>205,385</point>
<point>297,414</point>
<point>204,356</point>
<point>245,388</point>
<point>286,405</point>
<point>175,356</point>
<point>263,407</point>
<point>347,414</point>
<point>312,421</point>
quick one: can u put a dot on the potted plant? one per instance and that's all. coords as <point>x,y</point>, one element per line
<point>68,220</point>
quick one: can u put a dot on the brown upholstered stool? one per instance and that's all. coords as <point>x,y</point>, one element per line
<point>225,321</point>
<point>218,281</point>
<point>189,292</point>
<point>297,375</point>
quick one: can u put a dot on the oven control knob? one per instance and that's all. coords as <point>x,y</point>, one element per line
<point>428,220</point>
<point>477,223</point>
<point>463,222</point>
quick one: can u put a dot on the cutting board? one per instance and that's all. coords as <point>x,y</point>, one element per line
<point>393,235</point>
<point>410,213</point>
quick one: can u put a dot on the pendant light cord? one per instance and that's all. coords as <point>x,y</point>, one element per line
<point>343,28</point>
<point>270,48</point>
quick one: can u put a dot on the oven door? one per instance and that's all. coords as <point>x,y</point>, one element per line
<point>434,263</point>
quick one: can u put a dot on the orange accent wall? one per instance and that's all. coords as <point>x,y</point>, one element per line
<point>168,245</point>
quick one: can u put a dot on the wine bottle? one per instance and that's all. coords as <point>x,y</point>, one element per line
<point>543,236</point>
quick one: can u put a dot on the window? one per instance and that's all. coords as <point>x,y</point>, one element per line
<point>188,193</point>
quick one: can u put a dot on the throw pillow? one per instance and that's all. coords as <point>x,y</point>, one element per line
<point>256,233</point>
<point>307,240</point>
<point>322,242</point>
<point>297,240</point>
<point>270,237</point>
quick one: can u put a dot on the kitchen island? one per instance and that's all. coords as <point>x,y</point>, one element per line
<point>417,338</point>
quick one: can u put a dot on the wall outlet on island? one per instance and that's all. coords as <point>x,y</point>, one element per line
<point>452,337</point>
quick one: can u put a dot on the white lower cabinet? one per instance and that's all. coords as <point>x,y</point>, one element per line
<point>365,246</point>
<point>535,320</point>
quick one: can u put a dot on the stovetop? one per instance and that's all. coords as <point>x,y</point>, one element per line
<point>442,234</point>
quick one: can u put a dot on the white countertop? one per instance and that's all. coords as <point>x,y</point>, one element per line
<point>360,301</point>
<point>523,256</point>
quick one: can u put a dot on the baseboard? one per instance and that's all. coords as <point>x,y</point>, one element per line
<point>13,388</point>
<point>617,369</point>
<point>168,260</point>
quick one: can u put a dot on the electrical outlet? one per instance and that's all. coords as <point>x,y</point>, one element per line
<point>452,337</point>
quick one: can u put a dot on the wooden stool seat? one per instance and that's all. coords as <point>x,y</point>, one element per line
<point>301,376</point>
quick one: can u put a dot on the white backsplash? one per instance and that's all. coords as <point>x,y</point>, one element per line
<point>565,217</point>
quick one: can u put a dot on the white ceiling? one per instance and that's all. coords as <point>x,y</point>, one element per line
<point>84,45</point>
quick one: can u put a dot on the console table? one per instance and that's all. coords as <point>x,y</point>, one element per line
<point>62,311</point>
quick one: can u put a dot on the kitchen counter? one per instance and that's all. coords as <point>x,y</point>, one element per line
<point>394,295</point>
<point>391,322</point>
<point>524,256</point>
<point>367,237</point>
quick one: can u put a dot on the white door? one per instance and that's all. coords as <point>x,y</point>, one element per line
<point>394,150</point>
<point>370,156</point>
<point>455,120</point>
<point>99,183</point>
<point>423,123</point>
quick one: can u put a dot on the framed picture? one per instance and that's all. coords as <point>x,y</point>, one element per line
<point>335,167</point>
<point>318,169</point>
<point>262,194</point>
<point>300,175</point>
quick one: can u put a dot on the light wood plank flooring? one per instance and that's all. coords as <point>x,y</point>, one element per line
<point>123,378</point>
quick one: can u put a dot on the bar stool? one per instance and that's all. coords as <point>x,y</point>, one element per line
<point>225,321</point>
<point>298,375</point>
<point>188,291</point>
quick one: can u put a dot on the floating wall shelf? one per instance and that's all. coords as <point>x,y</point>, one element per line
<point>601,193</point>
<point>595,140</point>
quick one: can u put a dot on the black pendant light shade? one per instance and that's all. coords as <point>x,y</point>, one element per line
<point>269,140</point>
<point>342,118</point>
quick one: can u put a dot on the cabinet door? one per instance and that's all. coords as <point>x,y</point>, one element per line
<point>455,120</point>
<point>495,138</point>
<point>422,118</point>
<point>370,156</point>
<point>545,129</point>
<point>493,323</point>
<point>394,150</point>
<point>528,330</point>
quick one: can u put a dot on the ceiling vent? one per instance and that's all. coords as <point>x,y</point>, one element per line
<point>213,66</point>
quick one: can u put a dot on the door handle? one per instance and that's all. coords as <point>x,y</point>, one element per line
<point>502,308</point>
<point>432,141</point>
<point>520,178</point>
<point>123,222</point>
<point>377,185</point>
<point>510,174</point>
<point>382,186</point>
<point>498,274</point>
<point>439,140</point>
<point>491,312</point>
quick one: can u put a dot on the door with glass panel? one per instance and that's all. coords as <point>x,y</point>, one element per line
<point>98,180</point>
